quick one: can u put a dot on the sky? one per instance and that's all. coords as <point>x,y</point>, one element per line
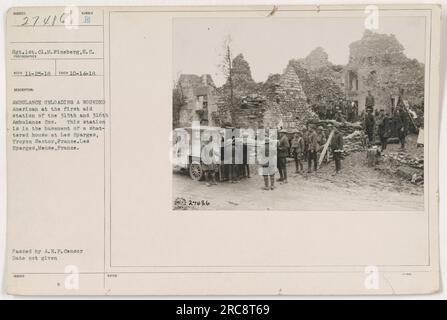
<point>268,44</point>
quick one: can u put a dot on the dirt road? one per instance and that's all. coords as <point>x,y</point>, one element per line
<point>356,188</point>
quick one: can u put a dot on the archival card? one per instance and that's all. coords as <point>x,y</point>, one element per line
<point>223,150</point>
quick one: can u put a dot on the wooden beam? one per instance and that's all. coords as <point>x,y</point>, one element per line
<point>326,146</point>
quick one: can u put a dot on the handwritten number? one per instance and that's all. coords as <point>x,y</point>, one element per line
<point>36,19</point>
<point>25,21</point>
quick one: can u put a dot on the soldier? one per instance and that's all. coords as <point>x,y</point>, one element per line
<point>283,152</point>
<point>232,168</point>
<point>306,143</point>
<point>369,102</point>
<point>337,149</point>
<point>339,117</point>
<point>330,111</point>
<point>321,137</point>
<point>312,150</point>
<point>268,169</point>
<point>355,111</point>
<point>401,124</point>
<point>321,110</point>
<point>210,165</point>
<point>369,124</point>
<point>349,111</point>
<point>384,128</point>
<point>342,107</point>
<point>245,167</point>
<point>298,150</point>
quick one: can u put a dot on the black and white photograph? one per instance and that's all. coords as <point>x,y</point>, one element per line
<point>223,152</point>
<point>302,114</point>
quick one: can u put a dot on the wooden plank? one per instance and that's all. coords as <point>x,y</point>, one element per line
<point>326,146</point>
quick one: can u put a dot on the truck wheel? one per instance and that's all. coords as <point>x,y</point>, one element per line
<point>196,171</point>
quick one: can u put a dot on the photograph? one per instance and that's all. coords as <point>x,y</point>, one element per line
<point>221,152</point>
<point>302,114</point>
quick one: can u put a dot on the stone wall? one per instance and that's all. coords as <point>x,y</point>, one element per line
<point>284,105</point>
<point>189,95</point>
<point>379,64</point>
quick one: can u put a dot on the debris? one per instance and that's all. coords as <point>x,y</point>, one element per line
<point>405,159</point>
<point>354,142</point>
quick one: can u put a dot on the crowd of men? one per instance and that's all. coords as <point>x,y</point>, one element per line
<point>308,144</point>
<point>305,146</point>
<point>383,124</point>
<point>336,109</point>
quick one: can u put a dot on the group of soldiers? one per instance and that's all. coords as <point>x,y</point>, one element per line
<point>338,109</point>
<point>306,145</point>
<point>385,124</point>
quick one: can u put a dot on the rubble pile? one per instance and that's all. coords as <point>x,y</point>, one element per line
<point>289,107</point>
<point>405,159</point>
<point>354,142</point>
<point>324,81</point>
<point>406,166</point>
<point>346,128</point>
<point>251,112</point>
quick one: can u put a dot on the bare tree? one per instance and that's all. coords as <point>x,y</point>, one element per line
<point>227,68</point>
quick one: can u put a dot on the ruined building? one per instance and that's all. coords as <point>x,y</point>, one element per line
<point>377,63</point>
<point>194,99</point>
<point>278,103</point>
<point>321,80</point>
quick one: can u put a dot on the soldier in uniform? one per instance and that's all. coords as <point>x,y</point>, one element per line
<point>330,111</point>
<point>298,150</point>
<point>349,111</point>
<point>283,152</point>
<point>369,103</point>
<point>321,137</point>
<point>401,124</point>
<point>369,124</point>
<point>210,165</point>
<point>337,148</point>
<point>306,143</point>
<point>384,128</point>
<point>312,150</point>
<point>268,169</point>
<point>321,110</point>
<point>342,107</point>
<point>355,111</point>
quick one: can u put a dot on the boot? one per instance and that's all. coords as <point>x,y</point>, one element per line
<point>285,176</point>
<point>266,183</point>
<point>281,177</point>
